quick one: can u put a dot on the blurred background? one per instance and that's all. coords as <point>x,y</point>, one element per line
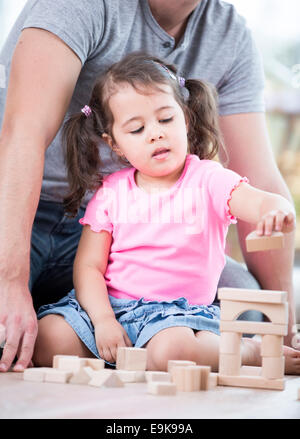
<point>276,30</point>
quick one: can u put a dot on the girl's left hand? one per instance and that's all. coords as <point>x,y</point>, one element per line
<point>277,221</point>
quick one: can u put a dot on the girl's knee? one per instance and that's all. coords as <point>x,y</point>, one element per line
<point>171,345</point>
<point>53,338</point>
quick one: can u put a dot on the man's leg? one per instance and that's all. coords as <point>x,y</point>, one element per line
<point>53,247</point>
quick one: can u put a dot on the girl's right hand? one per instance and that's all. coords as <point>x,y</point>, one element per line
<point>110,335</point>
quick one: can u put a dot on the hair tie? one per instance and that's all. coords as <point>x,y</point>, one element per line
<point>86,110</point>
<point>181,81</point>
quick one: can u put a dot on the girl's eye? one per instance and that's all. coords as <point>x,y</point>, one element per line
<point>166,120</point>
<point>139,130</point>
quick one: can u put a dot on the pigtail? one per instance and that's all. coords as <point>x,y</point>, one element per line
<point>204,135</point>
<point>81,136</point>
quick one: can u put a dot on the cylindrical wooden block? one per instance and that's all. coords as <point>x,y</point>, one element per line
<point>272,346</point>
<point>186,378</point>
<point>273,367</point>
<point>229,364</point>
<point>230,342</point>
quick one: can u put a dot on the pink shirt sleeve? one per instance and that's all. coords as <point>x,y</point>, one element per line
<point>97,212</point>
<point>221,184</point>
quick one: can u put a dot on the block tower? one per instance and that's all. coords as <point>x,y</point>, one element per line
<point>273,304</point>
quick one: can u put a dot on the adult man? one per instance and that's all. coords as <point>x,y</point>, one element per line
<point>58,47</point>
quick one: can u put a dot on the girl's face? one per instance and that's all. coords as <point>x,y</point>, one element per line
<point>150,130</point>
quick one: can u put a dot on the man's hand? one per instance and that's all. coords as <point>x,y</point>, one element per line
<point>18,317</point>
<point>110,335</point>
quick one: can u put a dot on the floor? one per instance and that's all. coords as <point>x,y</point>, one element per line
<point>27,400</point>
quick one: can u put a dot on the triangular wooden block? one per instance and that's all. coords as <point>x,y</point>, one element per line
<point>106,378</point>
<point>83,376</point>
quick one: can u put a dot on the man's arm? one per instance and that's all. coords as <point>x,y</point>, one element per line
<point>43,75</point>
<point>249,153</point>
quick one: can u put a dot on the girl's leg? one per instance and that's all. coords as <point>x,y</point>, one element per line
<point>180,343</point>
<point>56,336</point>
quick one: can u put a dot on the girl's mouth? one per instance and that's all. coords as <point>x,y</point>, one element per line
<point>161,153</point>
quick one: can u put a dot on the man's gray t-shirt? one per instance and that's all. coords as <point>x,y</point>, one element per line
<point>216,47</point>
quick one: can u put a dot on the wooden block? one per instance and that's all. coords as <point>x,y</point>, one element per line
<point>245,295</point>
<point>73,364</point>
<point>95,363</point>
<point>161,388</point>
<point>106,378</point>
<point>57,376</point>
<point>256,243</point>
<point>56,359</point>
<point>172,363</point>
<point>273,367</point>
<point>158,376</point>
<point>2,335</point>
<point>131,358</point>
<point>276,312</point>
<point>272,346</point>
<point>131,376</point>
<point>250,370</point>
<point>205,373</point>
<point>229,364</point>
<point>254,382</point>
<point>253,327</point>
<point>212,381</point>
<point>35,374</point>
<point>83,376</point>
<point>299,393</point>
<point>230,342</point>
<point>187,378</point>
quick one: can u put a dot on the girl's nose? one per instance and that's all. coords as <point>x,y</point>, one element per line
<point>154,136</point>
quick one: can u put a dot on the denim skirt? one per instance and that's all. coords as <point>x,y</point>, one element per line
<point>141,319</point>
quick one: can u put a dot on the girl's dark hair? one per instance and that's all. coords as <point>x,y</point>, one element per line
<point>81,134</point>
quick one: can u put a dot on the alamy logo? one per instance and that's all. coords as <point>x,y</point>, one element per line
<point>132,207</point>
<point>2,76</point>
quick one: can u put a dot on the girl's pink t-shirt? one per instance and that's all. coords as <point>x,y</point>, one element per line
<point>170,244</point>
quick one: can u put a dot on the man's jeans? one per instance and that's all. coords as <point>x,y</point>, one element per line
<point>54,242</point>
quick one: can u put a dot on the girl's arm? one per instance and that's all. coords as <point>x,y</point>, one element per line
<point>88,276</point>
<point>270,212</point>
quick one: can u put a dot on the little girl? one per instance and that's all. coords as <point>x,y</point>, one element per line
<point>152,247</point>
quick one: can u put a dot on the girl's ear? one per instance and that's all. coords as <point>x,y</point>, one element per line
<point>109,140</point>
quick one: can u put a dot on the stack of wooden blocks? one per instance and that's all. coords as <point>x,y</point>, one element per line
<point>273,304</point>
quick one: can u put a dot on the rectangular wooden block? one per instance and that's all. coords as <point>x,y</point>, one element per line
<point>250,370</point>
<point>253,327</point>
<point>299,393</point>
<point>57,358</point>
<point>94,363</point>
<point>35,374</point>
<point>131,358</point>
<point>57,376</point>
<point>72,364</point>
<point>245,295</point>
<point>131,376</point>
<point>172,363</point>
<point>158,376</point>
<point>255,382</point>
<point>212,381</point>
<point>256,243</point>
<point>161,388</point>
